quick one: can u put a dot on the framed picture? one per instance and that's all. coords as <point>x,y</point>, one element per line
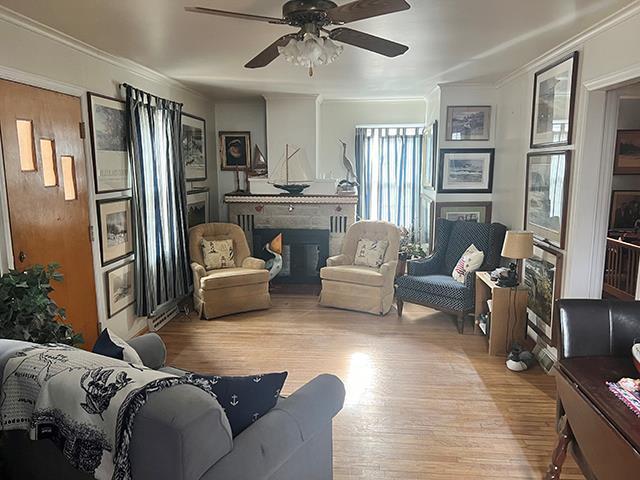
<point>554,94</point>
<point>627,161</point>
<point>120,288</point>
<point>108,125</point>
<point>197,207</point>
<point>479,212</point>
<point>547,195</point>
<point>235,150</point>
<point>430,156</point>
<point>625,210</point>
<point>427,218</point>
<point>114,224</point>
<point>466,170</point>
<point>194,147</point>
<point>468,123</point>
<point>543,278</point>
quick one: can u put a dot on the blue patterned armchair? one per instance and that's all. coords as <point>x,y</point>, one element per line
<point>429,281</point>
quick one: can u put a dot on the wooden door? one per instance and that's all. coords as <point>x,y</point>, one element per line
<point>46,180</point>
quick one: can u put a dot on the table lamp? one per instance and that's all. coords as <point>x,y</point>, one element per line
<point>517,246</point>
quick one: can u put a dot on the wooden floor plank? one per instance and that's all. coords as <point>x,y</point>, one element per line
<point>422,401</point>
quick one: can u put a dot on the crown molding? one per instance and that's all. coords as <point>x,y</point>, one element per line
<point>22,21</point>
<point>374,100</point>
<point>576,42</point>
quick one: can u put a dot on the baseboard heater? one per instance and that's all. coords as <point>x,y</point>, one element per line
<point>164,316</point>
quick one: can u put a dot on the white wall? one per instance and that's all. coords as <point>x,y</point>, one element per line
<point>339,119</point>
<point>40,56</point>
<point>239,116</point>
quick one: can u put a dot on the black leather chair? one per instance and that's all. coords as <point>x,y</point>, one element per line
<point>595,328</point>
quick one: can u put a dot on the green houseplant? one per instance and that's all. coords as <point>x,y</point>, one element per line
<point>28,313</point>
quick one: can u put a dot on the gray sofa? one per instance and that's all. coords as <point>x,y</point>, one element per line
<point>183,434</point>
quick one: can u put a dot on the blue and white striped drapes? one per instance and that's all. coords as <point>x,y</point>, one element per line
<point>159,200</point>
<point>388,166</point>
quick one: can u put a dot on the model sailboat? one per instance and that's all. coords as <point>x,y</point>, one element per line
<point>290,174</point>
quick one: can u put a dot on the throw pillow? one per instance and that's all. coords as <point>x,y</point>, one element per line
<point>370,253</point>
<point>246,399</point>
<point>218,254</point>
<point>110,345</point>
<point>469,262</point>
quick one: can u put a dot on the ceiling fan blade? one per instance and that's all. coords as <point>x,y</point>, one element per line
<point>270,53</point>
<point>368,42</point>
<point>361,9</point>
<point>243,16</point>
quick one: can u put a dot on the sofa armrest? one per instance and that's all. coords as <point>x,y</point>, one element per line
<point>253,263</point>
<point>199,272</point>
<point>422,267</point>
<point>338,260</point>
<point>266,445</point>
<point>151,349</point>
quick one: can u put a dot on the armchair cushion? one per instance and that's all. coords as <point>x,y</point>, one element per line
<point>218,254</point>
<point>233,277</point>
<point>353,274</point>
<point>441,285</point>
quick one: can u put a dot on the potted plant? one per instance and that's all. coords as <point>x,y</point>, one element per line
<point>409,249</point>
<point>28,313</point>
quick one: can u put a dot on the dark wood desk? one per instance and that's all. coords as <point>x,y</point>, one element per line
<point>601,432</point>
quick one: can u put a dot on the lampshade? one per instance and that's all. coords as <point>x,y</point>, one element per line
<point>311,51</point>
<point>518,245</point>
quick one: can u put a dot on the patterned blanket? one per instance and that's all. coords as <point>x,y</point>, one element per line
<point>85,403</point>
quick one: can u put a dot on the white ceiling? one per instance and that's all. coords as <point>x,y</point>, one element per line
<point>450,40</point>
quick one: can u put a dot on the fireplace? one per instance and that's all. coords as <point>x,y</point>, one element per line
<point>304,252</point>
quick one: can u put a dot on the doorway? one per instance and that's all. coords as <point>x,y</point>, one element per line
<point>47,194</point>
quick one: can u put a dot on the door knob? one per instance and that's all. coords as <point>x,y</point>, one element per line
<point>22,257</point>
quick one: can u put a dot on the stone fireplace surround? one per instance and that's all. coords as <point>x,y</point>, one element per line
<point>335,213</point>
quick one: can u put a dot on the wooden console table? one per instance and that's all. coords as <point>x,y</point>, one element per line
<point>508,315</point>
<point>600,431</point>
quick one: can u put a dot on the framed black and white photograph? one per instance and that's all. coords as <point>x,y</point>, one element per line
<point>479,212</point>
<point>194,147</point>
<point>625,210</point>
<point>107,123</point>
<point>235,150</point>
<point>115,226</point>
<point>429,162</point>
<point>197,207</point>
<point>547,195</point>
<point>543,279</point>
<point>554,102</point>
<point>627,159</point>
<point>120,288</point>
<point>466,170</point>
<point>468,123</point>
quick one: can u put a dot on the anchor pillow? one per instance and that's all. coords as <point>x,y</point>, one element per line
<point>246,399</point>
<point>218,254</point>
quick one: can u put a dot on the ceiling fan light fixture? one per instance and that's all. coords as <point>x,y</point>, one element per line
<point>311,51</point>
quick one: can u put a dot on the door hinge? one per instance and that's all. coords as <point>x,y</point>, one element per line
<point>83,133</point>
<point>91,237</point>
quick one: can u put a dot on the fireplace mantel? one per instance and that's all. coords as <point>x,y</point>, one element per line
<point>292,199</point>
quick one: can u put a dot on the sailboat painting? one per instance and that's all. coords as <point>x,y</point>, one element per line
<point>292,172</point>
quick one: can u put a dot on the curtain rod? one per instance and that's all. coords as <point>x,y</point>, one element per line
<point>390,125</point>
<point>125,85</point>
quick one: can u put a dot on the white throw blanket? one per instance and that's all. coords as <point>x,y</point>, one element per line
<point>85,403</point>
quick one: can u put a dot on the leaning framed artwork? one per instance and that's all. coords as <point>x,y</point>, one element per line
<point>194,147</point>
<point>430,156</point>
<point>479,212</point>
<point>197,207</point>
<point>466,170</point>
<point>235,150</point>
<point>543,278</point>
<point>554,94</point>
<point>547,195</point>
<point>115,229</point>
<point>120,288</point>
<point>107,123</point>
<point>627,160</point>
<point>625,210</point>
<point>468,123</point>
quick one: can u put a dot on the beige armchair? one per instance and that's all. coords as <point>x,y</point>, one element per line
<point>355,287</point>
<point>229,290</point>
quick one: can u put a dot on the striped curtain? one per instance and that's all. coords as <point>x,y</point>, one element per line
<point>159,201</point>
<point>388,166</point>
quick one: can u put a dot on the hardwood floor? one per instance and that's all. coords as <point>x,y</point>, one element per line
<point>422,401</point>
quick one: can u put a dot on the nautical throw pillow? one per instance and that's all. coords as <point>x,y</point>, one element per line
<point>218,254</point>
<point>110,345</point>
<point>246,399</point>
<point>370,253</point>
<point>469,262</point>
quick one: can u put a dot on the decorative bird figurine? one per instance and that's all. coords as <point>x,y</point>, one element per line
<point>348,165</point>
<point>274,265</point>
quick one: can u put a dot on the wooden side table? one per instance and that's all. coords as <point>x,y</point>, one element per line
<point>508,314</point>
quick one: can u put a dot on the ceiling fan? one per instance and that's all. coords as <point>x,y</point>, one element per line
<point>313,43</point>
